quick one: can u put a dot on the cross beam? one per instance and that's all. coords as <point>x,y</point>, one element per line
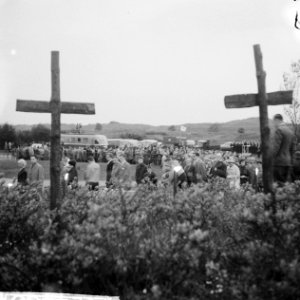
<point>56,108</point>
<point>262,99</point>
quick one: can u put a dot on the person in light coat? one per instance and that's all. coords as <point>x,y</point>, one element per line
<point>92,174</point>
<point>233,173</point>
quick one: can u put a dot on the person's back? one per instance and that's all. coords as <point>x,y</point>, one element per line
<point>141,171</point>
<point>109,168</point>
<point>36,173</point>
<point>92,174</point>
<point>121,171</point>
<point>200,170</point>
<point>283,143</point>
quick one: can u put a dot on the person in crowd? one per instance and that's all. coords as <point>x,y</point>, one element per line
<point>190,171</point>
<point>72,178</point>
<point>282,147</point>
<point>151,176</point>
<point>121,175</point>
<point>233,173</point>
<point>252,171</point>
<point>177,175</point>
<point>296,165</point>
<point>218,169</point>
<point>22,173</point>
<point>200,170</point>
<point>92,174</point>
<point>141,171</point>
<point>109,167</point>
<point>244,171</point>
<point>36,173</point>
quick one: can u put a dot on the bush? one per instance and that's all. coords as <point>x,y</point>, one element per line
<point>209,242</point>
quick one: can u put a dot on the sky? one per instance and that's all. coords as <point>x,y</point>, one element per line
<point>158,62</point>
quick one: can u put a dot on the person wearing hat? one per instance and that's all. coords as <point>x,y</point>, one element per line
<point>233,173</point>
<point>282,146</point>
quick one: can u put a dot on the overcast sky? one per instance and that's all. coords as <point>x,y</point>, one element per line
<point>143,61</point>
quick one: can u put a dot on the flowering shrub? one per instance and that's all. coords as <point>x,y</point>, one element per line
<point>209,242</point>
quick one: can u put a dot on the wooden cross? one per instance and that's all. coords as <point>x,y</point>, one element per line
<point>56,108</point>
<point>262,99</point>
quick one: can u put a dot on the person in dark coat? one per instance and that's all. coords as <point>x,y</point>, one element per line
<point>141,171</point>
<point>72,173</point>
<point>151,176</point>
<point>109,168</point>
<point>296,166</point>
<point>244,172</point>
<point>190,171</point>
<point>283,148</point>
<point>219,169</point>
<point>22,174</point>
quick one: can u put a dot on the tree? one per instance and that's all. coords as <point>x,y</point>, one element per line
<point>40,133</point>
<point>7,134</point>
<point>24,137</point>
<point>172,128</point>
<point>291,81</point>
<point>241,130</point>
<point>98,127</point>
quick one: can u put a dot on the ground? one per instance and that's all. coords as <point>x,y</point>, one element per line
<point>10,169</point>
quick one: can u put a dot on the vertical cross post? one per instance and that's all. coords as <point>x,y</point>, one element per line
<point>267,165</point>
<point>55,106</point>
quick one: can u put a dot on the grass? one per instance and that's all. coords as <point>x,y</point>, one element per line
<point>10,169</point>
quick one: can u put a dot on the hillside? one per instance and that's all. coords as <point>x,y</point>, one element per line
<point>216,132</point>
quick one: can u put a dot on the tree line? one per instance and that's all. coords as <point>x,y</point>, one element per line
<point>38,133</point>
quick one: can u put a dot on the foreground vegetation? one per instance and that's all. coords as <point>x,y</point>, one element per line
<point>207,243</point>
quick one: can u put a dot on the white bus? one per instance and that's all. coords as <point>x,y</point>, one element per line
<point>84,140</point>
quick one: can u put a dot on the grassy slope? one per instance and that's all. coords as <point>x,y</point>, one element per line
<point>227,131</point>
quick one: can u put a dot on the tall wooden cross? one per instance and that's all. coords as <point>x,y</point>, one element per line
<point>262,99</point>
<point>56,108</point>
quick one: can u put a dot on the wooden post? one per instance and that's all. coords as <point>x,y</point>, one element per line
<point>55,156</point>
<point>262,99</point>
<point>267,165</point>
<point>56,108</point>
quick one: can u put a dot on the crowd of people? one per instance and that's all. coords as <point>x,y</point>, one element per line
<point>180,166</point>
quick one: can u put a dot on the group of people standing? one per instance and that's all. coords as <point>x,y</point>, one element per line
<point>186,168</point>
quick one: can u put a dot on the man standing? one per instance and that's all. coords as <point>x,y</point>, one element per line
<point>283,143</point>
<point>36,173</point>
<point>121,175</point>
<point>92,174</point>
<point>141,171</point>
<point>199,165</point>
<point>109,168</point>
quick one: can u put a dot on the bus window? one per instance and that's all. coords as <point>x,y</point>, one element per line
<point>85,140</point>
<point>96,142</point>
<point>79,140</point>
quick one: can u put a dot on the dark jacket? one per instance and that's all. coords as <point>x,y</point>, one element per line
<point>109,168</point>
<point>72,174</point>
<point>140,173</point>
<point>191,174</point>
<point>219,169</point>
<point>22,177</point>
<point>283,144</point>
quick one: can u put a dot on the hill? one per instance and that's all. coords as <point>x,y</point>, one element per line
<point>216,132</point>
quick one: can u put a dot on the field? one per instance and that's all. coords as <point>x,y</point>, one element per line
<point>10,169</point>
